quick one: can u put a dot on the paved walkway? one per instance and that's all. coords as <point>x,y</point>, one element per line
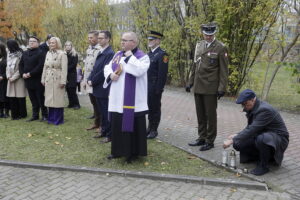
<point>179,126</point>
<point>35,184</point>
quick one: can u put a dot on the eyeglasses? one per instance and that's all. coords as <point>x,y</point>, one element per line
<point>126,40</point>
<point>32,41</point>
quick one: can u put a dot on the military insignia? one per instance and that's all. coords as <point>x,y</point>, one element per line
<point>166,59</point>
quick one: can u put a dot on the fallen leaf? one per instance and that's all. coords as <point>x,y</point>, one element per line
<point>233,190</point>
<point>57,143</point>
<point>107,174</point>
<point>68,138</point>
<point>50,137</point>
<point>49,132</point>
<point>56,135</point>
<point>192,157</point>
<point>163,163</point>
<point>146,163</point>
<point>62,145</point>
<point>158,141</point>
<point>29,135</point>
<point>238,174</point>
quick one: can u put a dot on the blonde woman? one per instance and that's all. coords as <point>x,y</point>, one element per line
<point>72,76</point>
<point>54,79</point>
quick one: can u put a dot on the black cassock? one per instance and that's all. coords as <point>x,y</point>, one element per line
<point>263,120</point>
<point>126,143</point>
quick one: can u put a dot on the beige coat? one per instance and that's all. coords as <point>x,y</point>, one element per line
<point>91,55</point>
<point>16,88</point>
<point>210,72</point>
<point>54,74</point>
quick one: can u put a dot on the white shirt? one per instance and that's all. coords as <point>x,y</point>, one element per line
<point>137,68</point>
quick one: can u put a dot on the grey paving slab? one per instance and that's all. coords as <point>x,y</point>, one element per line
<point>87,186</point>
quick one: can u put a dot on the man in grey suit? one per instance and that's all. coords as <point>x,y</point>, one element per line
<point>208,81</point>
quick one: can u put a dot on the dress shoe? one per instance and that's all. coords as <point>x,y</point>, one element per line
<point>44,119</point>
<point>259,170</point>
<point>91,117</point>
<point>99,136</point>
<point>152,135</point>
<point>32,119</point>
<point>106,140</point>
<point>206,147</point>
<point>110,157</point>
<point>197,143</point>
<point>76,107</point>
<point>91,128</point>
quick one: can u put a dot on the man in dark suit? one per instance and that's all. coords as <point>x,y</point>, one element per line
<point>45,46</point>
<point>157,76</point>
<point>208,80</point>
<point>31,68</point>
<point>264,139</point>
<point>96,80</point>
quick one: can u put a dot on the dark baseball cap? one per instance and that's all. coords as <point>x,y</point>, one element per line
<point>245,95</point>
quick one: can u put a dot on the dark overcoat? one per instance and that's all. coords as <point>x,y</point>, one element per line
<point>3,82</point>
<point>32,61</point>
<point>72,73</point>
<point>264,119</point>
<point>97,74</point>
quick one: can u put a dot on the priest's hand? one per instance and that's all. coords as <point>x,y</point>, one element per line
<point>90,83</point>
<point>114,77</point>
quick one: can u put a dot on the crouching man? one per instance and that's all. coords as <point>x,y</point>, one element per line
<point>264,139</point>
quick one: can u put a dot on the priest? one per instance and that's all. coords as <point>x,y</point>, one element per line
<point>127,76</point>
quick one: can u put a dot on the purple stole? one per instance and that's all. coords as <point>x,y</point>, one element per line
<point>129,92</point>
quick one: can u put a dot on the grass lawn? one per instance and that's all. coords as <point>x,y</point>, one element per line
<point>71,144</point>
<point>283,94</point>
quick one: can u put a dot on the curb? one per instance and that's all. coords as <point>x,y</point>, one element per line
<point>147,175</point>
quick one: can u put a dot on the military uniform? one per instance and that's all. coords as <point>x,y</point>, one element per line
<point>208,79</point>
<point>157,76</point>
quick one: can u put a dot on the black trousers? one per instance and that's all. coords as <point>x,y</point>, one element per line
<point>78,85</point>
<point>37,99</point>
<point>206,109</point>
<point>97,114</point>
<point>18,107</point>
<point>72,96</point>
<point>255,149</point>
<point>105,123</point>
<point>154,114</point>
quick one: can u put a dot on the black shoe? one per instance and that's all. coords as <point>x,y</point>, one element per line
<point>106,140</point>
<point>32,119</point>
<point>99,136</point>
<point>91,117</point>
<point>206,147</point>
<point>76,107</point>
<point>69,106</point>
<point>197,143</point>
<point>259,170</point>
<point>44,119</point>
<point>110,157</point>
<point>152,135</point>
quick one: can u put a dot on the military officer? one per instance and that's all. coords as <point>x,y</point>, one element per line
<point>208,80</point>
<point>157,76</point>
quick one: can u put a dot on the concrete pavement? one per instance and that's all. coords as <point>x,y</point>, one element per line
<point>36,184</point>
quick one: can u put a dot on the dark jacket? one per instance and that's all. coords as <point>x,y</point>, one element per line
<point>32,61</point>
<point>97,74</point>
<point>44,47</point>
<point>158,70</point>
<point>263,118</point>
<point>3,83</point>
<point>72,73</point>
